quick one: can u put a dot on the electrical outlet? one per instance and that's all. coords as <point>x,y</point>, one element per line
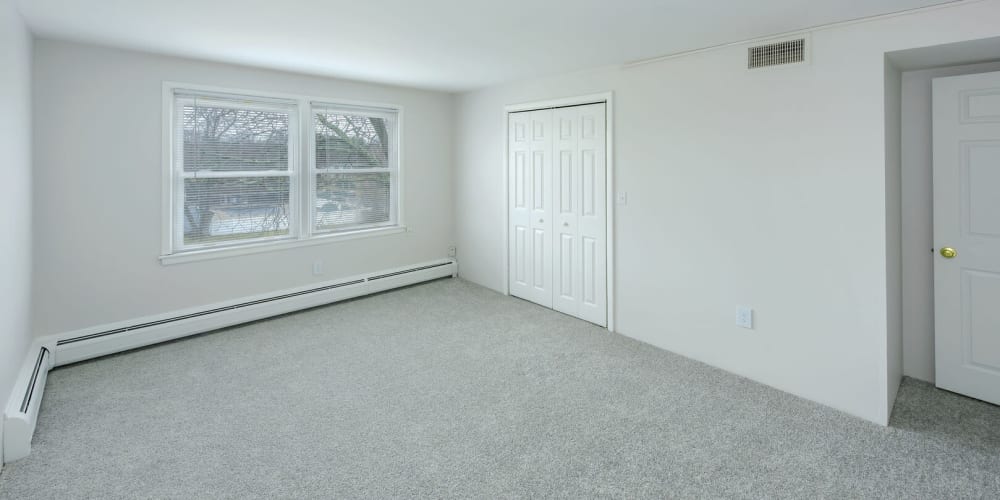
<point>318,268</point>
<point>622,197</point>
<point>452,251</point>
<point>744,317</point>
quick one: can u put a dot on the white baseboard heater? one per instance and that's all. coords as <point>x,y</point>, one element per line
<point>112,338</point>
<point>21,412</point>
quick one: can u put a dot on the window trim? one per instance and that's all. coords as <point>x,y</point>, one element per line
<point>301,175</point>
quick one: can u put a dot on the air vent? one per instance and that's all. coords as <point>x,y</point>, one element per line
<point>775,54</point>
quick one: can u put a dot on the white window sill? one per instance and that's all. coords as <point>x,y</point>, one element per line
<point>274,246</point>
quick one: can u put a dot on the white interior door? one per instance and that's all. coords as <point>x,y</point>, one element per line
<point>530,232</point>
<point>967,221</point>
<point>580,249</point>
<point>558,209</point>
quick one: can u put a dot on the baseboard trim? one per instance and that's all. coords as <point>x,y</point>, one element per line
<point>101,340</point>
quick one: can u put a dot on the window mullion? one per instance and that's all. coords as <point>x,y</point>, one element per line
<point>396,189</point>
<point>295,167</point>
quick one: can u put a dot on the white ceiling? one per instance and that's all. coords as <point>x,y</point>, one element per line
<point>440,44</point>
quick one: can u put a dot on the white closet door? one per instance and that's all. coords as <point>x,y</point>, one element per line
<point>593,227</point>
<point>567,288</point>
<point>558,209</point>
<point>530,237</point>
<point>580,249</point>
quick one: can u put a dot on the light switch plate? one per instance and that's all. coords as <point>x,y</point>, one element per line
<point>622,197</point>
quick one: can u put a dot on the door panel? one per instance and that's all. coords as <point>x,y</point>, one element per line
<point>590,193</point>
<point>967,218</point>
<point>566,224</point>
<point>981,212</point>
<point>566,259</point>
<point>520,179</point>
<point>542,206</point>
<point>520,252</point>
<point>566,182</point>
<point>539,169</point>
<point>581,221</point>
<point>592,222</point>
<point>539,252</point>
<point>530,232</point>
<point>590,271</point>
<point>980,296</point>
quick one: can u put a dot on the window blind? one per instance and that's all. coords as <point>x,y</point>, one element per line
<point>355,169</point>
<point>233,169</point>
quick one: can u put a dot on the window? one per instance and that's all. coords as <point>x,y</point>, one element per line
<point>354,168</point>
<point>234,173</point>
<point>235,177</point>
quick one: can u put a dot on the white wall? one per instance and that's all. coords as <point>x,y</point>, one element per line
<point>15,197</point>
<point>762,188</point>
<point>97,189</point>
<point>918,231</point>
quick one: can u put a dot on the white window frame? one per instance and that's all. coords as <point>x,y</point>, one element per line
<point>292,173</point>
<point>301,178</point>
<point>393,164</point>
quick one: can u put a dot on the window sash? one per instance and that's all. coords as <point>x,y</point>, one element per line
<point>238,238</point>
<point>391,118</point>
<point>182,99</point>
<point>317,229</point>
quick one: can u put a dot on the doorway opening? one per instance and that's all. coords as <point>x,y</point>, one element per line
<point>913,181</point>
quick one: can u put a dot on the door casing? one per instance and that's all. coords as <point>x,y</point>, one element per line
<point>606,98</point>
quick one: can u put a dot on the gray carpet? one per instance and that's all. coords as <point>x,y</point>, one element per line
<point>450,390</point>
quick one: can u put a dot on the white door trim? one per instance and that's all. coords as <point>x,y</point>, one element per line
<point>606,98</point>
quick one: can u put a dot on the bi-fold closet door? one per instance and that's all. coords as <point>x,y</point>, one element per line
<point>558,209</point>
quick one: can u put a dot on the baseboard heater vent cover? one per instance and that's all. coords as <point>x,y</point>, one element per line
<point>21,414</point>
<point>407,271</point>
<point>204,313</point>
<point>99,341</point>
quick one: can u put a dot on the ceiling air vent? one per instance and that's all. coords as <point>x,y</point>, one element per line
<point>777,53</point>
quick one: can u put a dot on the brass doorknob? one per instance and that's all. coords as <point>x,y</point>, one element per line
<point>948,253</point>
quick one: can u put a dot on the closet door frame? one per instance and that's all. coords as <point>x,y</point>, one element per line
<point>603,97</point>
